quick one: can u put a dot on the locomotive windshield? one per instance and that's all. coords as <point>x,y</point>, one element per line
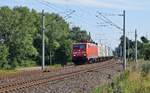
<point>79,46</point>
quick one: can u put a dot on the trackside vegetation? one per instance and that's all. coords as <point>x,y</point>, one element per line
<point>21,38</point>
<point>143,46</point>
<point>132,81</point>
<point>8,72</point>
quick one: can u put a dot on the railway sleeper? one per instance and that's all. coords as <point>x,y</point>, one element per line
<point>38,82</point>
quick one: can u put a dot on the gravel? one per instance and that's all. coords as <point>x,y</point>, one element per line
<point>81,83</point>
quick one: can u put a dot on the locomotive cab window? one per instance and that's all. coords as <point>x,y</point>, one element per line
<point>79,46</point>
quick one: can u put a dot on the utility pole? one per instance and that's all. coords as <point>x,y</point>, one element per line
<point>106,20</point>
<point>43,40</point>
<point>128,49</point>
<point>136,46</point>
<point>124,41</point>
<point>120,51</point>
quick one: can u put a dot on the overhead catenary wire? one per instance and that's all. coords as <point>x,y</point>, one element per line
<point>82,18</point>
<point>67,14</point>
<point>111,14</point>
<point>106,20</point>
<point>50,5</point>
<point>77,16</point>
<point>104,25</point>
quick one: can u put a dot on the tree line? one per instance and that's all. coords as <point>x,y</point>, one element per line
<point>21,38</point>
<point>143,48</point>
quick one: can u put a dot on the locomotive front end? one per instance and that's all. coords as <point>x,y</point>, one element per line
<point>79,53</point>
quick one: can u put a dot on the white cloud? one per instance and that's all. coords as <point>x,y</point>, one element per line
<point>90,3</point>
<point>120,4</point>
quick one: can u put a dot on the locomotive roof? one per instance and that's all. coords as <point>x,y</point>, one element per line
<point>84,43</point>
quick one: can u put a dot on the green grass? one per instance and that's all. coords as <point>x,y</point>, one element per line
<point>131,81</point>
<point>4,72</point>
<point>56,66</point>
<point>8,72</point>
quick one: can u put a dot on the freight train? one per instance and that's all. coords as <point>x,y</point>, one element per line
<point>83,53</point>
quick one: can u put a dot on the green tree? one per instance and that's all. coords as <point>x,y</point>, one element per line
<point>144,39</point>
<point>18,32</point>
<point>3,57</point>
<point>79,35</point>
<point>20,27</point>
<point>145,50</point>
<point>63,53</point>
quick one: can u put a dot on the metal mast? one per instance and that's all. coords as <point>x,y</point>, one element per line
<point>135,45</point>
<point>43,40</point>
<point>124,41</point>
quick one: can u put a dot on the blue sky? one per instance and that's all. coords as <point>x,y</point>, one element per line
<point>137,15</point>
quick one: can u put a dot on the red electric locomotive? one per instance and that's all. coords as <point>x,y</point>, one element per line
<point>84,53</point>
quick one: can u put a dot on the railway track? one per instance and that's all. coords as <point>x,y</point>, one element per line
<point>18,85</point>
<point>30,74</point>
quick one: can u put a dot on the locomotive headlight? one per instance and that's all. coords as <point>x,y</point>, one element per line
<point>84,54</point>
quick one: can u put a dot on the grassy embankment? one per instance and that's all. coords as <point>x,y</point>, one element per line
<point>4,72</point>
<point>134,80</point>
<point>8,72</point>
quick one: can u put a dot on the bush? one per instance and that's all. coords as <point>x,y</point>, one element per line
<point>145,69</point>
<point>128,82</point>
